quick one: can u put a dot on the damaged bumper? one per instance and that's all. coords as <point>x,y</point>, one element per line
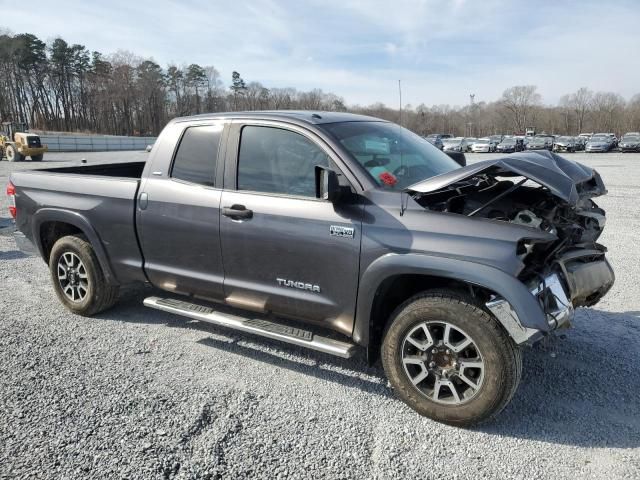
<point>576,281</point>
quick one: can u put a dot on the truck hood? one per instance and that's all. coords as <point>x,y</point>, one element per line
<point>561,176</point>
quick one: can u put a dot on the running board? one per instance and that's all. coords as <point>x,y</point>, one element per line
<point>256,326</point>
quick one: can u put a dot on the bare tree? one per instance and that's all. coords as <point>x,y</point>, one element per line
<point>519,101</point>
<point>607,107</point>
<point>580,103</point>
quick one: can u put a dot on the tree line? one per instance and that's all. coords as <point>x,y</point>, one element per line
<point>66,87</point>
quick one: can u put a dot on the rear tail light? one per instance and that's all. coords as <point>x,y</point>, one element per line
<point>11,191</point>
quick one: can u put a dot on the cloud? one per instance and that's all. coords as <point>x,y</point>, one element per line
<point>358,49</point>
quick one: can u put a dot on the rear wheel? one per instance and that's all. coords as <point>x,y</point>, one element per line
<point>78,278</point>
<point>37,158</point>
<point>13,155</point>
<point>450,360</point>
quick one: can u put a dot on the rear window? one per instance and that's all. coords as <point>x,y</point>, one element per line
<point>197,155</point>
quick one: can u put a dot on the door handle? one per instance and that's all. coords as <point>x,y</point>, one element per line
<point>143,200</point>
<point>237,212</point>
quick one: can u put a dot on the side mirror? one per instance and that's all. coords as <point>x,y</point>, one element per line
<point>327,185</point>
<point>458,157</point>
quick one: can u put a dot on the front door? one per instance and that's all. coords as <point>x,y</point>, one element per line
<point>284,250</point>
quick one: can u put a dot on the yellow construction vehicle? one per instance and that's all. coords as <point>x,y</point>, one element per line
<point>16,143</point>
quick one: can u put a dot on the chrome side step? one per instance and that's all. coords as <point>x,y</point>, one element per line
<point>264,328</point>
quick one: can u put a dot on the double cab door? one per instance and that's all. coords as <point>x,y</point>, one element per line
<point>262,241</point>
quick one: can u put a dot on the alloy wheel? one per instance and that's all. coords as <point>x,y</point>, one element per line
<point>442,362</point>
<point>72,276</point>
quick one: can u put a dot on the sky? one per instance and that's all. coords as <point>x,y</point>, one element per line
<point>442,50</point>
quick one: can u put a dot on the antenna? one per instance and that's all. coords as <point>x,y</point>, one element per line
<point>400,96</point>
<point>400,145</point>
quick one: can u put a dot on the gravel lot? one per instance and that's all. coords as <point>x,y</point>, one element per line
<point>136,393</point>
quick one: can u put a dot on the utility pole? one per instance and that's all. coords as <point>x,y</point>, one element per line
<point>472,97</point>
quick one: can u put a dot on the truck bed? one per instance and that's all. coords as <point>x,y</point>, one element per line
<point>112,169</point>
<point>99,199</point>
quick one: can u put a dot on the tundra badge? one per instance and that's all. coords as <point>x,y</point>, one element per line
<point>299,285</point>
<point>338,231</point>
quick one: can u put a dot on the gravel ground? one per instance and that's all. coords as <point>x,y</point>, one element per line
<point>136,393</point>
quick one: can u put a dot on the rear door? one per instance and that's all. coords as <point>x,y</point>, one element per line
<point>179,215</point>
<point>293,254</point>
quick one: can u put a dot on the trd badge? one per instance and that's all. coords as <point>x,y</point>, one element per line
<point>338,231</point>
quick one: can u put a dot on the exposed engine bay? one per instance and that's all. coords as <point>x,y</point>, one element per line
<point>546,197</point>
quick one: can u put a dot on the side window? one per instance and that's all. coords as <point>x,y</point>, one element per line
<point>274,160</point>
<point>197,155</point>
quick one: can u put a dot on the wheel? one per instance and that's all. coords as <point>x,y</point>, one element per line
<point>13,155</point>
<point>37,158</point>
<point>78,278</point>
<point>450,360</point>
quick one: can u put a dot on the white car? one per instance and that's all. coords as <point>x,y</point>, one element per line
<point>482,145</point>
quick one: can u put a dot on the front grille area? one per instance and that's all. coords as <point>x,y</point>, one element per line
<point>34,142</point>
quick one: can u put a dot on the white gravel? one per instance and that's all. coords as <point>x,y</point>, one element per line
<point>136,393</point>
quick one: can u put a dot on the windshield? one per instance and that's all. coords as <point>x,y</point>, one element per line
<point>508,141</point>
<point>482,141</point>
<point>631,138</point>
<point>599,138</point>
<point>565,139</point>
<point>395,158</point>
<point>452,141</point>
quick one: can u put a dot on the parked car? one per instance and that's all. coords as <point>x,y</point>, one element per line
<point>538,143</point>
<point>564,144</point>
<point>483,145</point>
<point>496,139</point>
<point>630,143</point>
<point>243,219</point>
<point>437,139</point>
<point>510,144</point>
<point>600,142</point>
<point>456,144</point>
<point>470,142</point>
<point>580,143</point>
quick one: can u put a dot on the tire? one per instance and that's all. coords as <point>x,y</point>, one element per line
<point>37,158</point>
<point>86,274</point>
<point>13,155</point>
<point>491,347</point>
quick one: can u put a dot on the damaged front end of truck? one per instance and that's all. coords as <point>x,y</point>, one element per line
<point>565,269</point>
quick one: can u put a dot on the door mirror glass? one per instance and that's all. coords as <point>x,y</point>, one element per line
<point>327,184</point>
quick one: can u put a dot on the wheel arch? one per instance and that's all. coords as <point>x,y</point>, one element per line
<point>393,278</point>
<point>50,224</point>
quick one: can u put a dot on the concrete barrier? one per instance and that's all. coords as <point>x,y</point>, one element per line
<point>94,143</point>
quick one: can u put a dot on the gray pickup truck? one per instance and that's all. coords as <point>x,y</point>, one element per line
<point>335,232</point>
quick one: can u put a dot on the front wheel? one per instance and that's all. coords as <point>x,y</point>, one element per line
<point>37,158</point>
<point>13,155</point>
<point>450,360</point>
<point>77,277</point>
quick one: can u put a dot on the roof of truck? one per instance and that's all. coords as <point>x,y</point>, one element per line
<point>308,116</point>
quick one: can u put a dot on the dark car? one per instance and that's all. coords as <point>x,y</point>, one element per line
<point>338,233</point>
<point>565,144</point>
<point>510,145</point>
<point>539,143</point>
<point>630,143</point>
<point>437,139</point>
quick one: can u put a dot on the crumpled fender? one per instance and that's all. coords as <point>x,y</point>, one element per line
<point>523,303</point>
